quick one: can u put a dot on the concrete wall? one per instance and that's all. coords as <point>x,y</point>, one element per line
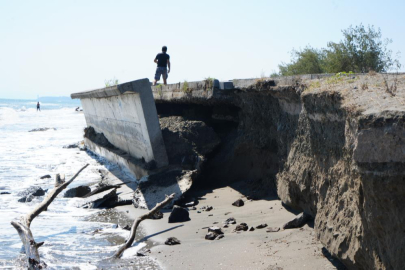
<point>126,115</point>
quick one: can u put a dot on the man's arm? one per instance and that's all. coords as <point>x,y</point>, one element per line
<point>155,60</point>
<point>168,64</point>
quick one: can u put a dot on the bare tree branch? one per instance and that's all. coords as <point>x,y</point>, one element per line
<point>136,223</point>
<point>23,225</point>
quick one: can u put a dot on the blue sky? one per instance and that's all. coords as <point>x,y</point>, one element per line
<point>54,48</point>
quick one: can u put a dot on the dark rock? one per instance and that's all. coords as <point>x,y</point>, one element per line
<point>179,214</point>
<point>172,241</point>
<point>226,226</point>
<point>35,191</point>
<point>38,192</point>
<point>27,198</point>
<point>215,229</point>
<point>193,208</point>
<point>251,229</point>
<point>40,129</point>
<point>157,215</point>
<point>272,229</point>
<point>207,208</point>
<point>211,236</point>
<point>79,191</point>
<point>242,227</point>
<point>126,227</point>
<point>230,220</point>
<point>261,226</point>
<point>299,221</point>
<point>219,236</point>
<point>70,146</point>
<point>28,195</point>
<point>45,176</point>
<point>238,203</point>
<point>140,254</point>
<point>199,212</point>
<point>4,193</point>
<point>97,231</point>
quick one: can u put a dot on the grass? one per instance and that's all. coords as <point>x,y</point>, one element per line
<point>314,85</point>
<point>159,90</point>
<point>111,82</point>
<point>209,82</point>
<point>185,88</point>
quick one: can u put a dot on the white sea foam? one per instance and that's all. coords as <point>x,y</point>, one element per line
<point>8,116</point>
<point>131,252</point>
<point>25,157</point>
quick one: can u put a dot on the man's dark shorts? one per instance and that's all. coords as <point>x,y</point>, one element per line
<point>161,71</point>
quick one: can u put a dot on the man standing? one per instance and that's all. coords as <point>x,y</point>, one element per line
<point>38,106</point>
<point>163,61</point>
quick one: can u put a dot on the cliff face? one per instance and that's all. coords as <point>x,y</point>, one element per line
<point>334,148</point>
<point>346,167</point>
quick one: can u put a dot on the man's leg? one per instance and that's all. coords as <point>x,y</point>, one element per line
<point>164,75</point>
<point>157,76</point>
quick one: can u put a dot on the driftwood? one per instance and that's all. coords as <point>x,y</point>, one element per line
<point>100,189</point>
<point>136,223</point>
<point>104,188</point>
<point>23,224</point>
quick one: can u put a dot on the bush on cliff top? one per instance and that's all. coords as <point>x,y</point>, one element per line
<point>361,50</point>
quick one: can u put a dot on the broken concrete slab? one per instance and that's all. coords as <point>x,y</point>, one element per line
<point>153,188</point>
<point>126,115</point>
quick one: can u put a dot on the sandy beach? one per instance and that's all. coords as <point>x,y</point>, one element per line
<point>258,249</point>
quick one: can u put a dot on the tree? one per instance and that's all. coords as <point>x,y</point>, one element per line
<point>361,50</point>
<point>306,61</point>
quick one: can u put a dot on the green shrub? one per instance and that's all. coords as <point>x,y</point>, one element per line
<point>111,82</point>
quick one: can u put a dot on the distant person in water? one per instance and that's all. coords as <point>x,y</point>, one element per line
<point>38,106</point>
<point>163,61</point>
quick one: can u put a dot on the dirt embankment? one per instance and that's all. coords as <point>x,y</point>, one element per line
<point>333,148</point>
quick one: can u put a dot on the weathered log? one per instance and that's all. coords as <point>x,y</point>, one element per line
<point>23,224</point>
<point>136,223</point>
<point>100,189</point>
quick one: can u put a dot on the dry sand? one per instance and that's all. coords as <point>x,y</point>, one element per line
<point>286,249</point>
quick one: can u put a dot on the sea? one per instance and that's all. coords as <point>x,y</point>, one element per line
<point>74,238</point>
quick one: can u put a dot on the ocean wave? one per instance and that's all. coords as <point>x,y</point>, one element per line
<point>45,104</point>
<point>8,116</point>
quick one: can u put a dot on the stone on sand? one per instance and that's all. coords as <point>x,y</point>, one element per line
<point>172,241</point>
<point>299,221</point>
<point>179,214</point>
<point>238,203</point>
